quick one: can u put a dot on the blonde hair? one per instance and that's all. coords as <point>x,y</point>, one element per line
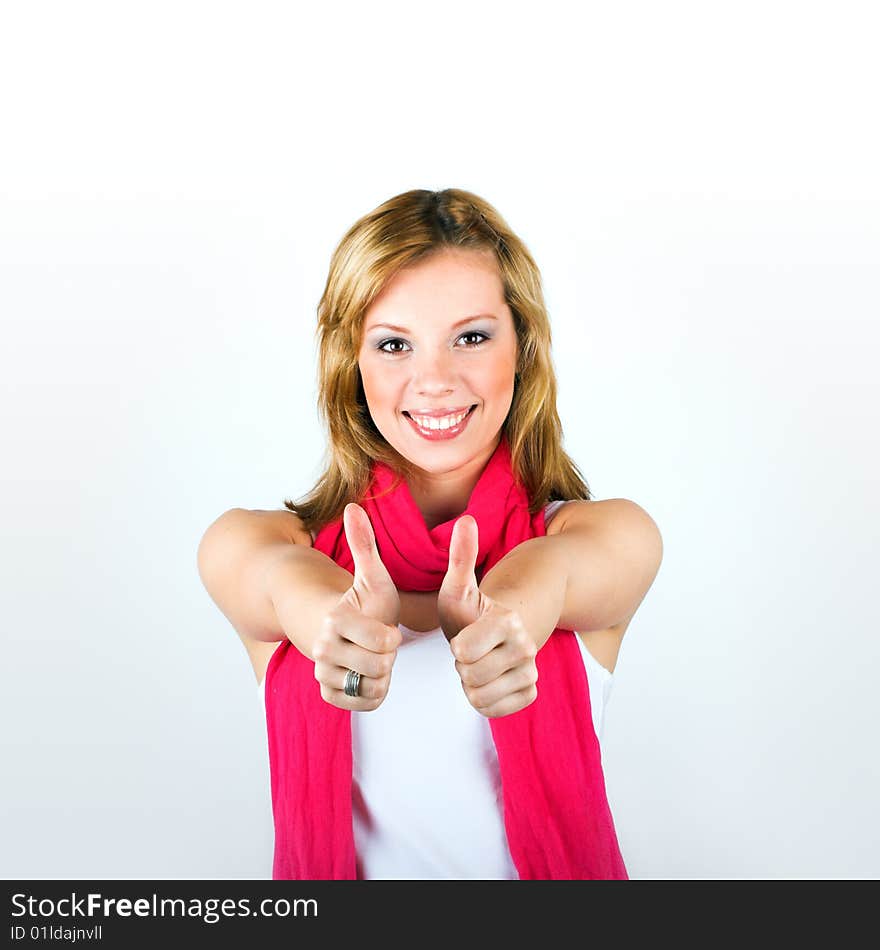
<point>401,231</point>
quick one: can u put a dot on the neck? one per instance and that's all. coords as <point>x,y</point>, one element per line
<point>442,496</point>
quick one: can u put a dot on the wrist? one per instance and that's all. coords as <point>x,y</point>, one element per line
<point>531,579</point>
<point>303,586</point>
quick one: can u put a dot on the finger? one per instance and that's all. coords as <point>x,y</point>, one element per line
<point>347,623</point>
<point>368,566</point>
<point>461,580</point>
<point>504,658</point>
<point>485,697</point>
<point>337,697</point>
<point>478,639</point>
<point>511,704</point>
<point>349,656</point>
<point>332,680</point>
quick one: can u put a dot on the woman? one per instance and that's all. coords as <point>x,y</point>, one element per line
<point>453,541</point>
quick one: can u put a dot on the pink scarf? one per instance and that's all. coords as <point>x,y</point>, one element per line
<point>556,814</point>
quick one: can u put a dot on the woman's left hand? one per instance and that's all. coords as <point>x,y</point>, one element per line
<point>494,653</point>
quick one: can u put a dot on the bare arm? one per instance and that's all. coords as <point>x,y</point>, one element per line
<point>590,574</point>
<point>614,550</point>
<point>261,571</point>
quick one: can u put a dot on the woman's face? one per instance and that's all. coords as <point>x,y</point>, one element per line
<point>440,339</point>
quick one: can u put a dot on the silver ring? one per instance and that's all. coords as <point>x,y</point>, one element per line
<point>352,683</point>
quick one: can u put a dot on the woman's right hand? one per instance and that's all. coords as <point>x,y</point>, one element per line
<point>360,633</point>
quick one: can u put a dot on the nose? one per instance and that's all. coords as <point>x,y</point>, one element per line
<point>434,374</point>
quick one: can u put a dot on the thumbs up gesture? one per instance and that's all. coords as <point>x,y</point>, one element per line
<point>360,633</point>
<point>494,653</point>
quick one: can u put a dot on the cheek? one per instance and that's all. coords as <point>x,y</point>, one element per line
<point>378,389</point>
<point>368,374</point>
<point>499,379</point>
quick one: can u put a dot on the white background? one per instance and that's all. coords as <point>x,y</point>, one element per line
<point>698,183</point>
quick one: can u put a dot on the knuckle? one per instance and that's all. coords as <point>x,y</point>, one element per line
<point>525,643</point>
<point>391,641</point>
<point>374,690</point>
<point>382,686</point>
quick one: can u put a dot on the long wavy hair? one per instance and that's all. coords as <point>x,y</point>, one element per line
<point>398,233</point>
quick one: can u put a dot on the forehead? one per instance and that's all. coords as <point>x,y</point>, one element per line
<point>449,285</point>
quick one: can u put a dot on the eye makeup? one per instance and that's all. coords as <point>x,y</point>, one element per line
<point>480,334</point>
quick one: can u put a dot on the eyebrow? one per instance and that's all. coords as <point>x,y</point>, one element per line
<point>389,326</point>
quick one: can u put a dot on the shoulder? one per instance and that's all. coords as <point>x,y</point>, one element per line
<point>618,519</point>
<point>287,522</point>
<point>633,544</point>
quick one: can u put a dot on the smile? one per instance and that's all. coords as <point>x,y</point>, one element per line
<point>444,427</point>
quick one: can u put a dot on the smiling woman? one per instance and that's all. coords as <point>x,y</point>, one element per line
<point>452,541</point>
<point>451,382</point>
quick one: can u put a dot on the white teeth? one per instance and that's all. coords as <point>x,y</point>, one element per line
<point>425,422</point>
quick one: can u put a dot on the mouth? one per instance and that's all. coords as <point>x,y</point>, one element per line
<point>440,429</point>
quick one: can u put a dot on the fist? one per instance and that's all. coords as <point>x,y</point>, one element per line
<point>494,653</point>
<point>360,633</point>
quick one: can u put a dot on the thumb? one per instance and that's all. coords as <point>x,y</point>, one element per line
<point>459,598</point>
<point>368,566</point>
<point>460,581</point>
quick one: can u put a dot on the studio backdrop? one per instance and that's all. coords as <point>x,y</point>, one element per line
<point>698,185</point>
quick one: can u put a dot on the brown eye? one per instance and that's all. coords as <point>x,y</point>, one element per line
<point>385,343</point>
<point>472,333</point>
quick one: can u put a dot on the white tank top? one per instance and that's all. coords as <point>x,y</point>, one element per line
<point>426,791</point>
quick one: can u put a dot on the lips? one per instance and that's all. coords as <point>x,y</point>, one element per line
<point>434,435</point>
<point>437,413</point>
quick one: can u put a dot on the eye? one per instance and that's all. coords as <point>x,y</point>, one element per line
<point>478,333</point>
<point>383,346</point>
